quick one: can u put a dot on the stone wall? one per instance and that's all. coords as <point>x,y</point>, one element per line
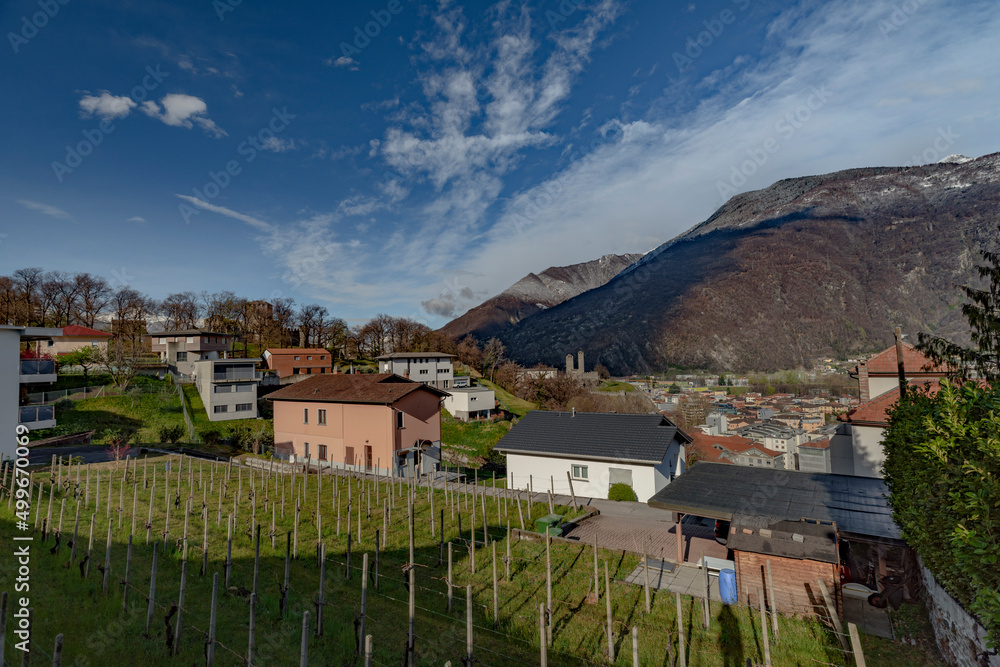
<point>960,637</point>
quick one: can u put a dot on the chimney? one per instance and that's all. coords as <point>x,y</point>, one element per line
<point>574,413</point>
<point>863,389</point>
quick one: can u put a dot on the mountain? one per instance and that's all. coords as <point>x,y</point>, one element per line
<point>536,292</point>
<point>819,266</point>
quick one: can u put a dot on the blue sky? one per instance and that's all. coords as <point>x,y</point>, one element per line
<point>416,158</point>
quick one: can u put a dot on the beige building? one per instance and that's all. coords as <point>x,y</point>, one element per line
<point>179,350</point>
<point>228,387</point>
<point>75,337</point>
<point>380,422</point>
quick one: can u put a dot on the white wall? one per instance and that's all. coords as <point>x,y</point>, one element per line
<point>646,479</point>
<point>10,370</point>
<point>857,450</point>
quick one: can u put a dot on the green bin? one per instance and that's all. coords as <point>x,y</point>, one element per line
<point>549,523</point>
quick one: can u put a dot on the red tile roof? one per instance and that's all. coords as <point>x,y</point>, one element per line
<point>377,388</point>
<point>914,361</point>
<point>77,330</point>
<point>875,411</point>
<point>705,446</point>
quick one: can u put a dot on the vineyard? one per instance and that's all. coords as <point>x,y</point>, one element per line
<point>171,560</point>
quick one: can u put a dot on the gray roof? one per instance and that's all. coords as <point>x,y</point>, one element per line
<point>415,355</point>
<point>815,542</point>
<point>720,490</point>
<point>593,435</point>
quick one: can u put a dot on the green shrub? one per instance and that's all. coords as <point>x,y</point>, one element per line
<point>171,433</point>
<point>942,471</point>
<point>621,491</point>
<point>210,435</point>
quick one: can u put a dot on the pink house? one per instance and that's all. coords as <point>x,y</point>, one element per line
<point>381,421</point>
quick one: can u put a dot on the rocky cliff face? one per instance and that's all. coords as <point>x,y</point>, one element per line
<point>810,267</point>
<point>536,292</point>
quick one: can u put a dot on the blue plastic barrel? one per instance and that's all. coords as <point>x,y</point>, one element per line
<point>727,586</point>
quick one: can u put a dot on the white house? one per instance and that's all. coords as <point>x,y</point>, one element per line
<point>467,403</point>
<point>597,449</point>
<point>228,387</point>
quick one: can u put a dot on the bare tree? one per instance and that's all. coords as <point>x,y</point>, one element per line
<point>121,359</point>
<point>181,310</point>
<point>129,309</point>
<point>27,281</point>
<point>284,315</point>
<point>492,356</point>
<point>94,295</point>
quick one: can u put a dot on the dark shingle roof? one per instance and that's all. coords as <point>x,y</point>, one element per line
<point>719,491</point>
<point>415,355</point>
<point>378,388</point>
<point>593,435</point>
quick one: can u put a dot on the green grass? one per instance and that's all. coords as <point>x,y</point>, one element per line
<point>97,632</point>
<point>142,413</point>
<point>473,438</point>
<point>518,406</point>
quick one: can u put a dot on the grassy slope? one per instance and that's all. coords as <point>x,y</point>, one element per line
<point>617,386</point>
<point>518,406</point>
<point>98,632</point>
<point>471,438</point>
<point>144,413</point>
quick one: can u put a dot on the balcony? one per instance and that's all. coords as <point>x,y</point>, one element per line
<point>233,375</point>
<point>37,370</point>
<point>36,416</point>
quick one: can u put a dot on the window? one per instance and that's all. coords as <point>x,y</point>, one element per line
<point>190,339</point>
<point>309,357</point>
<point>182,356</point>
<point>399,420</point>
<point>445,384</point>
<point>49,343</point>
<point>322,452</point>
<point>243,387</point>
<point>221,408</point>
<point>296,357</point>
<point>444,370</point>
<point>307,450</point>
<point>222,389</point>
<point>321,419</point>
<point>322,358</point>
<point>423,371</point>
<point>580,472</point>
<point>244,407</point>
<point>473,398</point>
<point>305,415</point>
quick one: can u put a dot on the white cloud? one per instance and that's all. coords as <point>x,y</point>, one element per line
<point>278,145</point>
<point>137,219</point>
<point>343,62</point>
<point>45,209</point>
<point>106,106</point>
<point>179,110</point>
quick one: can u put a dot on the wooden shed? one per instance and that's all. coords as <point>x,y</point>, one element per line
<point>800,553</point>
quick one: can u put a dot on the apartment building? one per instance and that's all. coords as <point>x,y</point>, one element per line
<point>298,361</point>
<point>432,368</point>
<point>228,387</point>
<point>16,375</point>
<point>179,350</point>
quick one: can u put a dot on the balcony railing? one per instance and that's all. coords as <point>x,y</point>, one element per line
<point>38,367</point>
<point>30,414</point>
<point>228,376</point>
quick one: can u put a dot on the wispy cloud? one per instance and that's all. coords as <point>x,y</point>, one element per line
<point>45,209</point>
<point>137,219</point>
<point>228,212</point>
